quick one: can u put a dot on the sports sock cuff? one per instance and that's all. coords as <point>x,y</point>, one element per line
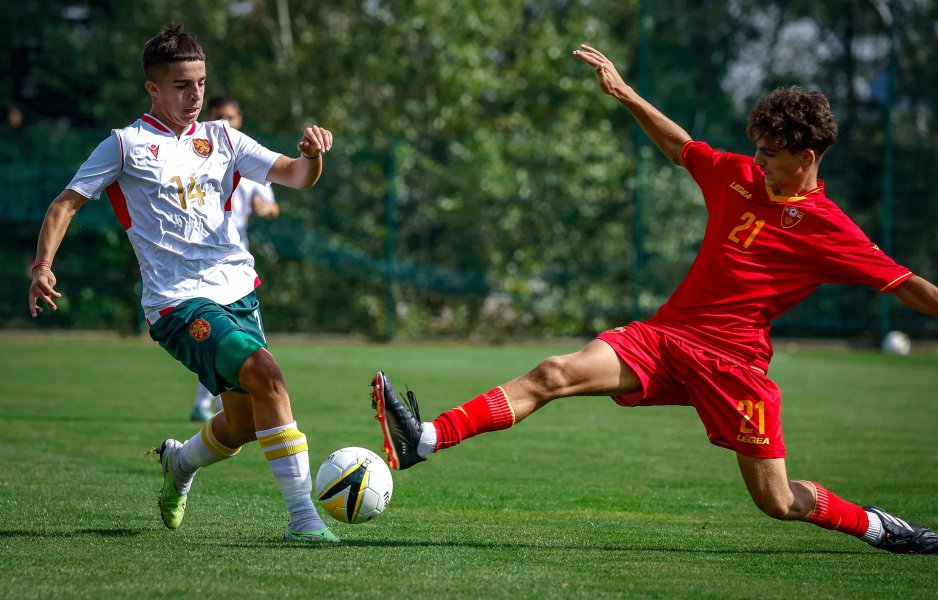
<point>277,429</point>
<point>282,441</point>
<point>490,411</point>
<point>500,408</point>
<point>833,512</point>
<point>821,506</point>
<point>211,442</point>
<point>874,532</point>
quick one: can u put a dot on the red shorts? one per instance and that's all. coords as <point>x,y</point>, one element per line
<point>738,404</point>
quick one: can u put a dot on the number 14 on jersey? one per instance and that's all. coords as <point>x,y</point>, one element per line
<point>193,192</point>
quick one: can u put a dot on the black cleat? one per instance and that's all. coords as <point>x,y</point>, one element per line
<point>903,537</point>
<point>400,422</point>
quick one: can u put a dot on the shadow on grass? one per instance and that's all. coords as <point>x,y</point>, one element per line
<point>456,545</point>
<point>114,533</point>
<point>279,544</point>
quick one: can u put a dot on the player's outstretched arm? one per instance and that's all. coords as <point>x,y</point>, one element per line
<point>920,294</point>
<point>303,172</point>
<point>663,132</point>
<point>58,217</point>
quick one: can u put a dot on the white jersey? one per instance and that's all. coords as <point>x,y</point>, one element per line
<point>242,205</point>
<point>173,197</point>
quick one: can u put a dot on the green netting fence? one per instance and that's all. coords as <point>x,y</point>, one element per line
<point>373,250</point>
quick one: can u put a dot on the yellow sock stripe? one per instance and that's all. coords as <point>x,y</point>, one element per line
<point>281,437</point>
<point>283,443</point>
<point>294,447</point>
<point>508,403</point>
<point>214,446</point>
<point>209,440</point>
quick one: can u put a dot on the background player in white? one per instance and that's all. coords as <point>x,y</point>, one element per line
<point>249,198</point>
<point>170,181</point>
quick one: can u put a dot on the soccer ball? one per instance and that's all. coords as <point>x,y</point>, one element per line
<point>897,342</point>
<point>354,485</point>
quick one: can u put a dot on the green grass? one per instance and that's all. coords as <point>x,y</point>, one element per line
<point>585,499</point>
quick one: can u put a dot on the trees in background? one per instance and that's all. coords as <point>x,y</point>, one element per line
<point>518,198</point>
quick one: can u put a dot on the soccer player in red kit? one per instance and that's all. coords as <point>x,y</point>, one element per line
<point>772,238</point>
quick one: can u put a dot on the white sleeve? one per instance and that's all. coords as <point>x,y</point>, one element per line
<point>101,169</point>
<point>252,160</point>
<point>266,192</point>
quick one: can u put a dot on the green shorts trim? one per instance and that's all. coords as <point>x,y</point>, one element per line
<point>231,354</point>
<point>212,340</point>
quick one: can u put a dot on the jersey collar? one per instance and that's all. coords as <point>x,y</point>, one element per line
<point>788,199</point>
<point>159,126</point>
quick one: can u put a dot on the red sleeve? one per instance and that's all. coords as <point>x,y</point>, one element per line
<point>710,168</point>
<point>850,257</point>
<point>699,159</point>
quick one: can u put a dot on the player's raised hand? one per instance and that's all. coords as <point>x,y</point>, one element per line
<point>42,288</point>
<point>609,78</point>
<point>316,140</point>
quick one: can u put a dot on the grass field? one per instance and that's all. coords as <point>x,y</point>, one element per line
<point>583,500</point>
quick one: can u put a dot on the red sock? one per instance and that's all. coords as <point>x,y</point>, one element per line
<point>833,512</point>
<point>488,412</point>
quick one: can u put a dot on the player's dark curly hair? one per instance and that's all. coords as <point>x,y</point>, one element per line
<point>794,119</point>
<point>171,45</point>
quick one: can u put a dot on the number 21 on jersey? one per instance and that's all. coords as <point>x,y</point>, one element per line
<point>749,220</point>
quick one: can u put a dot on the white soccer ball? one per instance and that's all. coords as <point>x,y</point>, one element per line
<point>354,485</point>
<point>897,342</point>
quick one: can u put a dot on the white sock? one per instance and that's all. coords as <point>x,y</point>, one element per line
<point>203,398</point>
<point>427,444</point>
<point>201,450</point>
<point>874,533</point>
<point>286,451</point>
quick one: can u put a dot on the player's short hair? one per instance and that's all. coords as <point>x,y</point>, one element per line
<point>216,102</point>
<point>794,119</point>
<point>169,46</point>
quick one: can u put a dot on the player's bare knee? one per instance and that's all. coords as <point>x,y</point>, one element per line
<point>260,375</point>
<point>552,374</point>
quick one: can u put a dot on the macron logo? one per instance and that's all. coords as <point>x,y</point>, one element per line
<point>154,150</point>
<point>742,191</point>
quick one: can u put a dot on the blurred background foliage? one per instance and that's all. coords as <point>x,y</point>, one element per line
<point>481,184</point>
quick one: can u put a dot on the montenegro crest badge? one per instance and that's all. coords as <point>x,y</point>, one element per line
<point>791,216</point>
<point>202,147</point>
<point>200,330</point>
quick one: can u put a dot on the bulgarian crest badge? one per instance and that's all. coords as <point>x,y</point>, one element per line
<point>202,147</point>
<point>791,216</point>
<point>200,330</point>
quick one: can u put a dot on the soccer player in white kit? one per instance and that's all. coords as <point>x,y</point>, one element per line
<point>170,181</point>
<point>250,198</point>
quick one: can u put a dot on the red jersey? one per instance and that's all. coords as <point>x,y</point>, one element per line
<point>762,254</point>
